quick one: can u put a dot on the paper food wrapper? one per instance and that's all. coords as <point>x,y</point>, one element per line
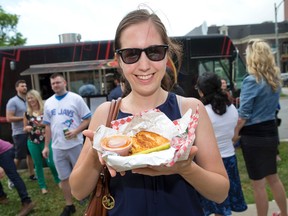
<point>181,132</point>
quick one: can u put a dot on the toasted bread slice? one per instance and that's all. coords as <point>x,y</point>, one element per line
<point>145,142</point>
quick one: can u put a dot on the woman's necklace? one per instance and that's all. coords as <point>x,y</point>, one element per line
<point>35,113</point>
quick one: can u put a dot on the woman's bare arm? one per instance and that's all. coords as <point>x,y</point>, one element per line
<point>85,174</point>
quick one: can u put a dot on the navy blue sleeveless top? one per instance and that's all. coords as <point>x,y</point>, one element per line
<point>141,195</point>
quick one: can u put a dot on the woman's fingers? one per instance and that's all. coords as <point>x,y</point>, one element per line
<point>112,171</point>
<point>89,134</point>
<point>193,152</point>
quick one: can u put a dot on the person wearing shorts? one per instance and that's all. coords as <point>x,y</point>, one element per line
<point>64,167</point>
<point>66,115</point>
<point>15,109</point>
<point>20,146</point>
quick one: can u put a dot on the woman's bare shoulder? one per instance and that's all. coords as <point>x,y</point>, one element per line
<point>100,115</point>
<point>190,102</point>
<point>102,107</point>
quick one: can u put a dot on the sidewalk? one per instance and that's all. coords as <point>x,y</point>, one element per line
<point>252,210</point>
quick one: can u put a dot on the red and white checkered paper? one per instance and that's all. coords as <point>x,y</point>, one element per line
<point>181,142</point>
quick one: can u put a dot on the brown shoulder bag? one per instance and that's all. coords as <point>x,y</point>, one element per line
<point>100,199</point>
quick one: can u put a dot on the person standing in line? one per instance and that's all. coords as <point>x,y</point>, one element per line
<point>224,117</point>
<point>15,109</point>
<point>8,166</point>
<point>66,115</point>
<point>115,92</point>
<point>142,48</point>
<point>259,99</point>
<point>224,87</point>
<point>36,135</point>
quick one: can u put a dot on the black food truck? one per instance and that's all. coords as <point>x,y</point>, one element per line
<point>93,63</point>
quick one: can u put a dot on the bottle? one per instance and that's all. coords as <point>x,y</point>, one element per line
<point>65,130</point>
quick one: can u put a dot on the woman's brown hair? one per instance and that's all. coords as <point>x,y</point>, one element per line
<point>143,15</point>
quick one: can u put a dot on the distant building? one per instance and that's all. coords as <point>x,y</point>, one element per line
<point>241,34</point>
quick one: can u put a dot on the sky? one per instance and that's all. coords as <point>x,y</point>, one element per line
<point>42,21</point>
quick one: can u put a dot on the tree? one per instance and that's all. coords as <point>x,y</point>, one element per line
<point>8,32</point>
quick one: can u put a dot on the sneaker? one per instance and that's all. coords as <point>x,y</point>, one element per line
<point>4,200</point>
<point>10,184</point>
<point>278,158</point>
<point>33,177</point>
<point>26,208</point>
<point>44,191</point>
<point>68,210</point>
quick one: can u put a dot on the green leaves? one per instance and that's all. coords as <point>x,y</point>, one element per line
<point>8,30</point>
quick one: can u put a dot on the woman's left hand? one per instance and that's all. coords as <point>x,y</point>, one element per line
<point>89,134</point>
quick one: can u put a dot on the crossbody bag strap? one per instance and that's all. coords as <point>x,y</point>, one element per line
<point>113,111</point>
<point>101,200</point>
<point>108,201</point>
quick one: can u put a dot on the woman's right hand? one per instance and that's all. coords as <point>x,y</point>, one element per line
<point>45,152</point>
<point>235,138</point>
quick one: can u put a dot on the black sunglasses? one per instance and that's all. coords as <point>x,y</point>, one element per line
<point>132,55</point>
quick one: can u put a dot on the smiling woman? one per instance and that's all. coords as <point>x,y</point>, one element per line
<point>142,49</point>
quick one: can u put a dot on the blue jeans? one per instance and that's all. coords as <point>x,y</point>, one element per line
<point>7,163</point>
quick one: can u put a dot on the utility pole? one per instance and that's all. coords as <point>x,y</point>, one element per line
<point>276,7</point>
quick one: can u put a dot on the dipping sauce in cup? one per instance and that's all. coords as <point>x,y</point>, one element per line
<point>119,144</point>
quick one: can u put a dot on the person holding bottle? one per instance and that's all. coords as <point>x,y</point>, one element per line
<point>65,111</point>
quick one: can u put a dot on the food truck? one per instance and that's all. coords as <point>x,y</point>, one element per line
<point>93,63</point>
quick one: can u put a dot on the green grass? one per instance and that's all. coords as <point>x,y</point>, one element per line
<point>52,203</point>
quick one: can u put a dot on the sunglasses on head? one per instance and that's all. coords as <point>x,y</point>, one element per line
<point>132,55</point>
